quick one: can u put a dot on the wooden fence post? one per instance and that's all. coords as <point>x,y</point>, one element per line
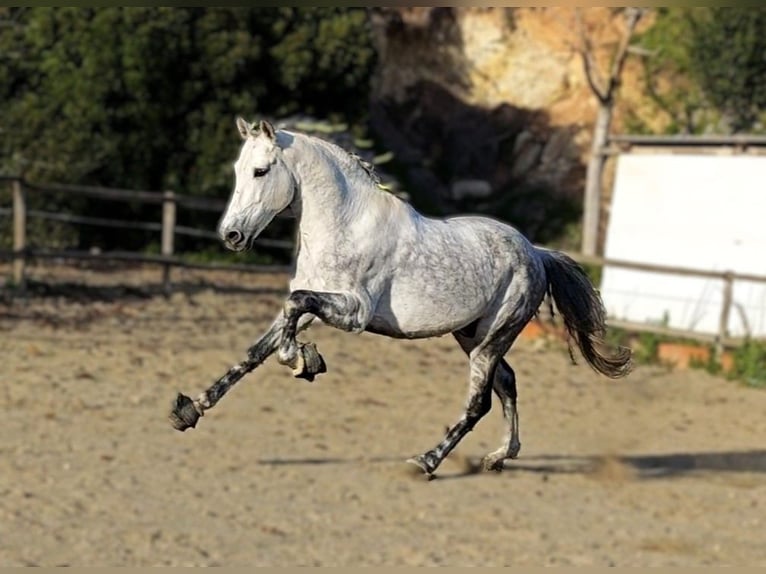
<point>19,233</point>
<point>168,235</point>
<point>723,321</point>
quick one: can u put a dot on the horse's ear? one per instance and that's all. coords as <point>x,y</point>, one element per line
<point>244,128</point>
<point>268,130</point>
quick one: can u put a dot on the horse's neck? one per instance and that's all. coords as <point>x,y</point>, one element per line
<point>331,196</point>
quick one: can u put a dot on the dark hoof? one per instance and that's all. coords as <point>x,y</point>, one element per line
<point>422,462</point>
<point>313,364</point>
<point>184,415</point>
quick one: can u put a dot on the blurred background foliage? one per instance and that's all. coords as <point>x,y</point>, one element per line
<point>136,97</point>
<point>145,98</point>
<point>706,67</point>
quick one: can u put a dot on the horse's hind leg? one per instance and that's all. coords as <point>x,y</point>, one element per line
<point>505,388</point>
<point>483,361</point>
<point>492,337</point>
<point>504,385</point>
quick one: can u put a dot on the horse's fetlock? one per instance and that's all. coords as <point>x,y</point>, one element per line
<point>203,402</point>
<point>287,355</point>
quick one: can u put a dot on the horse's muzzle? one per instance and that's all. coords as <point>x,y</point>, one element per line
<point>234,239</point>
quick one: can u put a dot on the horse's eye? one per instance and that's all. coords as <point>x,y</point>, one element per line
<point>260,171</point>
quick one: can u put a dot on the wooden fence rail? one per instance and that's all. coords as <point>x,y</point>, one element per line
<point>133,257</point>
<point>721,339</point>
<point>168,228</point>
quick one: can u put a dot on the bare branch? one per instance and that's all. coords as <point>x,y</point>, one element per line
<point>586,53</point>
<point>642,52</point>
<point>632,16</point>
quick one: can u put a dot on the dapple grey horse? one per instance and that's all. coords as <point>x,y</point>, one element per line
<point>368,261</point>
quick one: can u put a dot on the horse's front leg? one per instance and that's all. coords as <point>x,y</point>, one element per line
<point>186,412</point>
<point>345,311</point>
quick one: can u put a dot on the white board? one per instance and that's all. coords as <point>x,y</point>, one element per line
<point>694,211</point>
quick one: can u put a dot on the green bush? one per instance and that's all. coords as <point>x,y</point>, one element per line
<point>750,363</point>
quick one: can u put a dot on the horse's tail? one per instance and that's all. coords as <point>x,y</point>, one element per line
<point>584,315</point>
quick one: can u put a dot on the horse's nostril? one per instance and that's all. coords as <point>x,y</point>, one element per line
<point>234,237</point>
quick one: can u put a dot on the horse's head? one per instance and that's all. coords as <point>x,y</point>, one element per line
<point>264,186</point>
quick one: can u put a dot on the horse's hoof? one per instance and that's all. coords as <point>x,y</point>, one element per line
<point>422,463</point>
<point>310,363</point>
<point>184,414</point>
<point>492,464</point>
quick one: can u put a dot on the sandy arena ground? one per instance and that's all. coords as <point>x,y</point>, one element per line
<point>661,468</point>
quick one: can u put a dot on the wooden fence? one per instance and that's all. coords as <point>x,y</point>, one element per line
<point>169,228</point>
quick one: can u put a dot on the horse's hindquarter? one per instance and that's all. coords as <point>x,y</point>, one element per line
<point>445,275</point>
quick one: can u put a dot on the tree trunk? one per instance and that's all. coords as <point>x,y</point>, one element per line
<point>605,93</point>
<point>593,179</point>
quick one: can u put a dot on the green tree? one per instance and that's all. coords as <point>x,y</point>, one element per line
<point>729,62</point>
<point>94,94</point>
<point>146,98</point>
<point>706,67</point>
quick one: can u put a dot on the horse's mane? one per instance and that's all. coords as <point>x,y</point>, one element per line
<point>367,167</point>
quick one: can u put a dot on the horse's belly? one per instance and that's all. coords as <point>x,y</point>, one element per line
<point>420,312</point>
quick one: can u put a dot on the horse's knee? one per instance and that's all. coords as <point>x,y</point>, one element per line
<point>355,316</point>
<point>289,307</point>
<point>294,303</point>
